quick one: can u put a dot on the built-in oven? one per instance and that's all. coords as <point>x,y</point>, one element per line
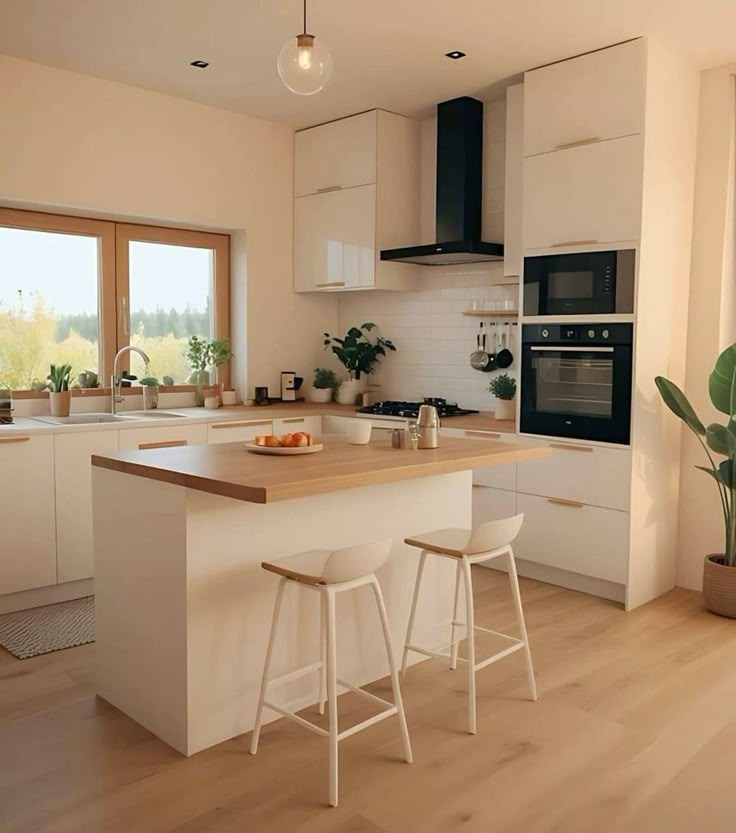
<point>576,381</point>
<point>579,283</point>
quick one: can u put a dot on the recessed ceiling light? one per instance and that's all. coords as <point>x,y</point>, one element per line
<point>200,64</point>
<point>456,54</point>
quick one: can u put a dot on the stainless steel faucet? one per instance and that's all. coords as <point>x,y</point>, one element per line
<point>116,383</point>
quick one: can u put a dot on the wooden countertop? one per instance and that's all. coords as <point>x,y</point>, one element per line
<point>228,469</point>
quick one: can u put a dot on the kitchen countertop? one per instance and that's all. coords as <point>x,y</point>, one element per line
<point>483,421</point>
<point>230,470</point>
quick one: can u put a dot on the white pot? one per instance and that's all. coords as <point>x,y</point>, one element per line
<point>350,390</point>
<point>505,409</point>
<point>321,395</point>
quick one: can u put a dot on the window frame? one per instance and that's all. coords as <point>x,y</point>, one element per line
<point>113,280</point>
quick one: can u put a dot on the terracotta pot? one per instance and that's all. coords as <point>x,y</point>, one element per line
<point>719,586</point>
<point>505,409</point>
<point>60,403</point>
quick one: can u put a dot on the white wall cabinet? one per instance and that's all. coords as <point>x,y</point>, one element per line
<point>357,191</point>
<point>238,430</point>
<point>73,479</point>
<point>140,439</point>
<point>589,98</point>
<point>27,522</point>
<point>588,194</point>
<point>339,154</point>
<point>513,182</point>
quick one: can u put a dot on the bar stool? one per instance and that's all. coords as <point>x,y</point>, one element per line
<point>330,573</point>
<point>490,540</point>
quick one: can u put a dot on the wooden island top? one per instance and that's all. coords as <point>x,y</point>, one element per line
<point>229,470</point>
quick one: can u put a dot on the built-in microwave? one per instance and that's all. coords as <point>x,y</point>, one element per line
<point>579,283</point>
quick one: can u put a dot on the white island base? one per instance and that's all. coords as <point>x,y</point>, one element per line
<point>184,608</point>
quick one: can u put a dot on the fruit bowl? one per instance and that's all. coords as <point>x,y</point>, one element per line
<point>283,451</point>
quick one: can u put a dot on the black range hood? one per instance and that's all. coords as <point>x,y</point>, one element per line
<point>459,191</point>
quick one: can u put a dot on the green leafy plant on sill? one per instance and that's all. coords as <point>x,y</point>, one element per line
<point>149,381</point>
<point>204,355</point>
<point>325,379</point>
<point>360,350</point>
<point>503,386</point>
<point>59,377</point>
<point>716,438</point>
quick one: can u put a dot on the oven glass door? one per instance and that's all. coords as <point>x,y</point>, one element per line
<point>577,392</point>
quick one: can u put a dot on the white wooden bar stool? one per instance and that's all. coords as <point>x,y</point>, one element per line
<point>490,540</point>
<point>329,573</point>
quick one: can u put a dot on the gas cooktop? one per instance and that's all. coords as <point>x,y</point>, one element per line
<point>410,410</point>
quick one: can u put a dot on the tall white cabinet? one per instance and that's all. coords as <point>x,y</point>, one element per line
<point>356,191</point>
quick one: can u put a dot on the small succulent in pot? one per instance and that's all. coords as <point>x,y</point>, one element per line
<point>324,385</point>
<point>88,379</point>
<point>503,387</point>
<point>150,393</point>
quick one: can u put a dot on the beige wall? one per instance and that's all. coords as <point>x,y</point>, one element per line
<point>72,142</point>
<point>711,324</point>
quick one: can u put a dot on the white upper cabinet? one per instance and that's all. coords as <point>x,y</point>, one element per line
<point>356,186</point>
<point>586,99</point>
<point>583,195</point>
<point>513,179</point>
<point>336,155</point>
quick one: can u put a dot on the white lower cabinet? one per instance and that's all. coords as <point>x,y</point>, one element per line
<point>164,436</point>
<point>491,504</point>
<point>27,522</point>
<point>583,539</point>
<point>238,430</point>
<point>499,477</point>
<point>311,424</point>
<point>73,477</point>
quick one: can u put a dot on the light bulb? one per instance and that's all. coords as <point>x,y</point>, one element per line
<point>305,64</point>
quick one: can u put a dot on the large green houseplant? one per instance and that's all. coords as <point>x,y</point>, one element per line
<point>719,443</point>
<point>359,351</point>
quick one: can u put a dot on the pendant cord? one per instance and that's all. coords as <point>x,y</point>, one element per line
<point>305,17</point>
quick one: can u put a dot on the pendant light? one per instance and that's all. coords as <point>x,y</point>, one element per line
<point>304,63</point>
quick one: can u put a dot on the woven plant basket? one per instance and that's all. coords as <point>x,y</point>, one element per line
<point>719,586</point>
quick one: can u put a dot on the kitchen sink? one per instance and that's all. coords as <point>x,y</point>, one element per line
<point>153,415</point>
<point>84,419</point>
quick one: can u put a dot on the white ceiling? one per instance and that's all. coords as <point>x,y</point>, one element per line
<point>387,53</point>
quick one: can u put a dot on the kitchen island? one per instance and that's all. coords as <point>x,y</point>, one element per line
<point>182,606</point>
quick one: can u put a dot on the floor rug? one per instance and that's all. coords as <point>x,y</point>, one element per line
<point>41,630</point>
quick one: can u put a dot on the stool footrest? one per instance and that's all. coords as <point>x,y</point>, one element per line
<point>295,675</point>
<point>500,655</point>
<point>438,653</point>
<point>364,724</point>
<point>365,693</point>
<point>295,717</point>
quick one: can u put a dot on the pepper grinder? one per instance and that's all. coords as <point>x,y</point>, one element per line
<point>428,422</point>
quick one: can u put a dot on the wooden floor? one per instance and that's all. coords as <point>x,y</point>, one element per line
<point>635,731</point>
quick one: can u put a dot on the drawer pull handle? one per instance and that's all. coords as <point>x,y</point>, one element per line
<point>493,434</point>
<point>293,419</point>
<point>164,444</point>
<point>14,439</point>
<point>575,504</point>
<point>571,447</point>
<point>578,143</point>
<point>329,188</point>
<point>573,243</point>
<point>241,423</point>
<point>329,285</point>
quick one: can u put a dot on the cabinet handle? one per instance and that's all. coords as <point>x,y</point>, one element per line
<point>573,243</point>
<point>14,439</point>
<point>329,188</point>
<point>574,504</point>
<point>571,447</point>
<point>241,423</point>
<point>328,285</point>
<point>495,434</point>
<point>164,444</point>
<point>293,419</point>
<point>578,143</point>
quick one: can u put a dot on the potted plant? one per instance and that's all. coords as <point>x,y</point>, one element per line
<point>202,356</point>
<point>150,393</point>
<point>719,572</point>
<point>324,385</point>
<point>219,354</point>
<point>359,352</point>
<point>503,387</point>
<point>88,379</point>
<point>60,396</point>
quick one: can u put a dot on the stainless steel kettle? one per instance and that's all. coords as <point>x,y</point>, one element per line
<point>428,422</point>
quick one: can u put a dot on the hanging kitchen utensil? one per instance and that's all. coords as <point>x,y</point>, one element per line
<point>491,365</point>
<point>505,357</point>
<point>479,357</point>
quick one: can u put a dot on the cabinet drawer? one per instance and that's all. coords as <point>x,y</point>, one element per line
<point>589,194</point>
<point>595,96</point>
<point>583,539</point>
<point>141,439</point>
<point>492,504</point>
<point>27,513</point>
<point>311,424</point>
<point>237,430</point>
<point>590,474</point>
<point>340,154</point>
<point>499,477</point>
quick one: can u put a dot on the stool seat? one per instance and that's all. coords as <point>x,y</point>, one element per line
<point>306,567</point>
<point>452,542</point>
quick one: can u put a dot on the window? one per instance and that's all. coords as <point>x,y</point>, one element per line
<point>75,291</point>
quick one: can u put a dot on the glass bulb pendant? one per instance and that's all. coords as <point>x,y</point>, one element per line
<point>305,64</point>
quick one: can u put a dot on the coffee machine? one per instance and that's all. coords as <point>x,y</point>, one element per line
<point>288,386</point>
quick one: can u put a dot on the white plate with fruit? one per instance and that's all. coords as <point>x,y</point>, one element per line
<point>300,442</point>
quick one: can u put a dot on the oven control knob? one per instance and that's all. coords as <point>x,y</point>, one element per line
<point>545,333</point>
<point>591,333</point>
<point>605,333</point>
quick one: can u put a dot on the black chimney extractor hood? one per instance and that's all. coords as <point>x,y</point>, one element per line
<point>459,191</point>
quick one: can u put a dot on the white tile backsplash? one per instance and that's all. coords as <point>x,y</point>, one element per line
<point>432,336</point>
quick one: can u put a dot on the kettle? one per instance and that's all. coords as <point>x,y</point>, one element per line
<point>428,422</point>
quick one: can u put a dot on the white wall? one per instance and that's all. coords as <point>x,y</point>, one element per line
<point>70,142</point>
<point>711,324</point>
